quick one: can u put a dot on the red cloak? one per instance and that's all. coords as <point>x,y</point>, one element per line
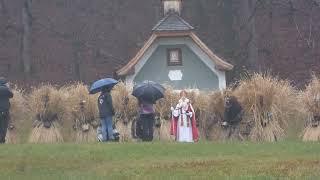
<point>174,123</point>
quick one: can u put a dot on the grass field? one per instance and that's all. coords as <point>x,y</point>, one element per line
<point>204,160</point>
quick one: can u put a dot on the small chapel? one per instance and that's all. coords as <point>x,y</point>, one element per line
<point>175,55</point>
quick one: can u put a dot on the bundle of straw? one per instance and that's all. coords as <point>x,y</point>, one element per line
<point>126,110</point>
<point>163,111</point>
<point>47,106</point>
<point>124,131</point>
<point>163,106</point>
<point>18,114</point>
<point>199,102</point>
<point>125,105</point>
<point>311,133</point>
<point>311,96</point>
<point>162,133</point>
<point>269,105</point>
<point>41,134</point>
<point>212,116</point>
<point>311,100</point>
<point>83,109</point>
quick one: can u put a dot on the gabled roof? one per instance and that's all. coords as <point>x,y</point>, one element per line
<point>172,22</point>
<point>129,67</point>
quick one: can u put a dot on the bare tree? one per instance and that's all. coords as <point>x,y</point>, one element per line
<point>230,41</point>
<point>26,36</point>
<point>248,10</point>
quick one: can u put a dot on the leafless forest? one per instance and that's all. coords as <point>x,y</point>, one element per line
<point>60,41</point>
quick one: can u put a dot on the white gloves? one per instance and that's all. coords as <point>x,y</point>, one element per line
<point>189,114</point>
<point>175,113</point>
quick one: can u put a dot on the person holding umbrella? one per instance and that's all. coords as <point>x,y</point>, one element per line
<point>146,112</point>
<point>147,94</point>
<point>106,111</point>
<point>5,95</point>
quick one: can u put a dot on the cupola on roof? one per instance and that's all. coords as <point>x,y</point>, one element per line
<point>170,6</point>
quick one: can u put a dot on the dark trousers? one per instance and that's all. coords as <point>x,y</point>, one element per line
<point>147,121</point>
<point>4,121</point>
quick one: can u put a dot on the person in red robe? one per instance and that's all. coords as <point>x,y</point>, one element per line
<point>183,122</point>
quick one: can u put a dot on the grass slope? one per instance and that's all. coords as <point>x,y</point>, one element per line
<point>283,160</point>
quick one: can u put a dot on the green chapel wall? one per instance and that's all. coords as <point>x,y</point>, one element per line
<point>196,74</point>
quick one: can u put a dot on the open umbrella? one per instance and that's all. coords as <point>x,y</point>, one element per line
<point>149,91</point>
<point>101,84</point>
<point>3,81</point>
<point>5,92</point>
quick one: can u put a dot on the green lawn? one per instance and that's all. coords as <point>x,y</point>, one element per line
<point>204,160</point>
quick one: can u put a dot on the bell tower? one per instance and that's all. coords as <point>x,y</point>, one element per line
<point>171,6</point>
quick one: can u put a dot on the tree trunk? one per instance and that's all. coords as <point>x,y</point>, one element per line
<point>230,42</point>
<point>229,34</point>
<point>76,46</point>
<point>3,20</point>
<point>26,36</point>
<point>248,14</point>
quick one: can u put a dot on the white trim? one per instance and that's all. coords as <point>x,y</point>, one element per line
<point>178,41</point>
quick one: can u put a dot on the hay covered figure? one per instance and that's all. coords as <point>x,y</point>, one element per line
<point>233,111</point>
<point>311,99</point>
<point>18,115</point>
<point>183,124</point>
<point>222,119</point>
<point>199,103</point>
<point>47,106</point>
<point>84,113</point>
<point>126,112</point>
<point>213,115</point>
<point>232,116</point>
<point>163,115</point>
<point>269,104</point>
<point>85,123</point>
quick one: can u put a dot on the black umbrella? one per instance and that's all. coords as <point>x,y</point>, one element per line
<point>148,91</point>
<point>3,81</point>
<point>5,92</point>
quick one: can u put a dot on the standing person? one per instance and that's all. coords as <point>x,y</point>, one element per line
<point>147,93</point>
<point>106,113</point>
<point>146,119</point>
<point>5,95</point>
<point>183,123</point>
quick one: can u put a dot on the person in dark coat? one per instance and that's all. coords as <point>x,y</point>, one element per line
<point>5,96</point>
<point>147,113</point>
<point>233,111</point>
<point>106,113</point>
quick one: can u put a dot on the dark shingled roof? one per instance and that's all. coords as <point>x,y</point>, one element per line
<point>172,22</point>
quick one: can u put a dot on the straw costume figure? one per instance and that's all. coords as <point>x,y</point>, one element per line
<point>311,99</point>
<point>47,106</point>
<point>269,104</point>
<point>125,107</point>
<point>163,115</point>
<point>85,125</point>
<point>18,115</point>
<point>232,117</point>
<point>84,113</point>
<point>213,115</point>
